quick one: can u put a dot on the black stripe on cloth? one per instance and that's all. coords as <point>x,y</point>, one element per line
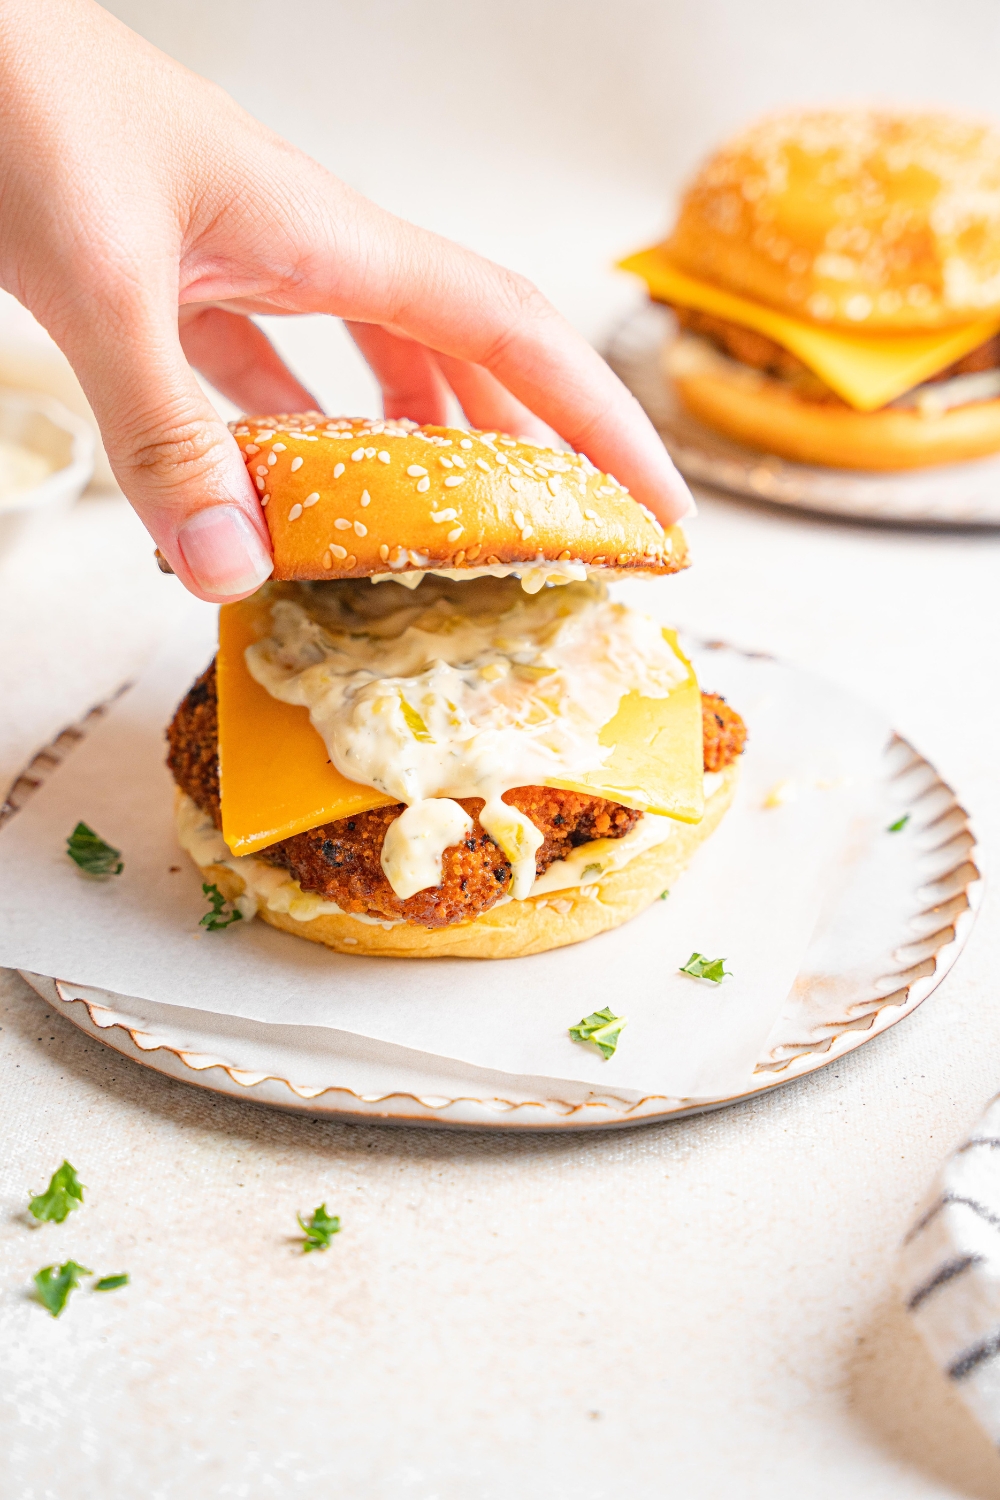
<point>945,1201</point>
<point>980,1354</point>
<point>941,1277</point>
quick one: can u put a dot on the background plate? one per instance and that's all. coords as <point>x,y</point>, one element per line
<point>356,1077</point>
<point>966,494</point>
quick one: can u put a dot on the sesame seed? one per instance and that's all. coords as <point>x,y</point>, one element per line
<point>383,457</point>
<point>272,459</point>
<point>369,453</point>
<point>352,561</point>
<point>295,512</point>
<point>265,437</point>
<point>416,472</point>
<point>444,515</point>
<point>358,454</point>
<point>360,529</point>
<point>296,464</point>
<point>528,531</point>
<point>327,559</point>
<point>341,524</point>
<point>458,462</point>
<point>458,559</point>
<point>383,552</point>
<point>366,499</point>
<point>250,450</point>
<point>515,484</point>
<point>553,486</point>
<point>565,555</point>
<point>339,552</point>
<point>260,484</point>
<point>423,484</point>
<point>623,558</point>
<point>465,443</point>
<point>264,499</point>
<point>452,480</point>
<point>262,470</point>
<point>446,462</point>
<point>454,535</point>
<point>311,499</point>
<point>519,520</point>
<point>605,489</point>
<point>338,470</point>
<point>509,442</point>
<point>592,515</point>
<point>278,448</point>
<point>484,465</point>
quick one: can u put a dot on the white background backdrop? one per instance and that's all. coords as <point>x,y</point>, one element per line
<point>699,1310</point>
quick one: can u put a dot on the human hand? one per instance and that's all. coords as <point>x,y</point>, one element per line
<point>144,217</point>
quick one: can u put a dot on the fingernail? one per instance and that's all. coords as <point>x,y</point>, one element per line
<point>224,552</point>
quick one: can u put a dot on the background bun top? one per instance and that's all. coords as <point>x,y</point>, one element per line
<point>349,498</point>
<point>857,218</point>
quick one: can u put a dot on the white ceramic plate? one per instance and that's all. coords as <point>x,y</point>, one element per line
<point>923,921</point>
<point>966,494</point>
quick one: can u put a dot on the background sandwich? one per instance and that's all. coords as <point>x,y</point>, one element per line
<point>836,279</point>
<point>482,754</point>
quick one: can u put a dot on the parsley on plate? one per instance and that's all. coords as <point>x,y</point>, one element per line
<point>218,917</point>
<point>602,1027</point>
<point>94,857</point>
<point>899,824</point>
<point>111,1283</point>
<point>700,967</point>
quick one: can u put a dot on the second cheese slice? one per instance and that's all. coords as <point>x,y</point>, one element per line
<point>867,370</point>
<point>277,780</point>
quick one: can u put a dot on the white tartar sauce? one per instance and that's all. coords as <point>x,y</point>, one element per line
<point>461,690</point>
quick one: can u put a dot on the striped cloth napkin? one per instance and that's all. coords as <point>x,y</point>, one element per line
<point>950,1271</point>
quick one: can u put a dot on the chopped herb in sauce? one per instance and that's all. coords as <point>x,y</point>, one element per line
<point>899,824</point>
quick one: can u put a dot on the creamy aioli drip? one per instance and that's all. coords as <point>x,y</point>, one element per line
<point>467,690</point>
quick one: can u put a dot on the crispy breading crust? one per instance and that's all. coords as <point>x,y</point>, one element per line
<point>342,860</point>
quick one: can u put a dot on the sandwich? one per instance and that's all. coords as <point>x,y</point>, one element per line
<point>433,731</point>
<point>835,275</point>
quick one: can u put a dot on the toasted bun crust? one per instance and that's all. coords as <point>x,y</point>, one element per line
<point>519,927</point>
<point>764,413</point>
<point>349,499</point>
<point>864,219</point>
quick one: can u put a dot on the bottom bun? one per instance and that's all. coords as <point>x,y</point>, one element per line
<point>764,414</point>
<point>518,927</point>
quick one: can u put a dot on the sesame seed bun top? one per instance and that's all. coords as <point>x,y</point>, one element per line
<point>862,219</point>
<point>353,498</point>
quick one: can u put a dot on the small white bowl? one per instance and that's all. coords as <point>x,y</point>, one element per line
<point>66,441</point>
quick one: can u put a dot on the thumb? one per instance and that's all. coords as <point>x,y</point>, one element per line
<point>173,456</point>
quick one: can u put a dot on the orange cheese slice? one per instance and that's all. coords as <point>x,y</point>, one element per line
<point>276,778</point>
<point>866,369</point>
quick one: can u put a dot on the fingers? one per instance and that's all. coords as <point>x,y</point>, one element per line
<point>426,290</point>
<point>171,452</point>
<point>412,385</point>
<point>241,362</point>
<point>487,404</point>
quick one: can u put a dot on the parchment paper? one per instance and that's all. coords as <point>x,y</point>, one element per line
<point>752,895</point>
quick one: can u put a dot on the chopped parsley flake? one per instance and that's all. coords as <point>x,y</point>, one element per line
<point>54,1284</point>
<point>88,850</point>
<point>63,1194</point>
<point>319,1230</point>
<point>603,1028</point>
<point>700,967</point>
<point>111,1283</point>
<point>664,895</point>
<point>218,918</point>
<point>899,824</point>
<point>591,870</point>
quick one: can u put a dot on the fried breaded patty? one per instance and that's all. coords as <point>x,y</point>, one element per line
<point>341,861</point>
<point>748,347</point>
